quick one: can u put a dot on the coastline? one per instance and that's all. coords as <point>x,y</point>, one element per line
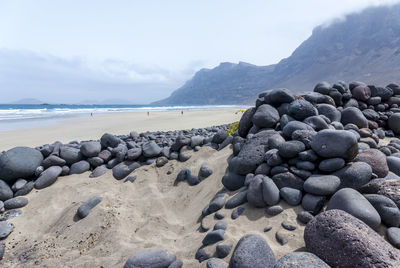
<point>121,123</point>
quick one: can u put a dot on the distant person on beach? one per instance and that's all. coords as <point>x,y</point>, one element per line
<point>91,114</point>
<point>181,112</point>
<point>148,113</point>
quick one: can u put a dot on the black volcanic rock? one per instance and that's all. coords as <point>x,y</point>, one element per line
<point>252,251</point>
<point>19,162</point>
<point>335,143</point>
<point>342,240</point>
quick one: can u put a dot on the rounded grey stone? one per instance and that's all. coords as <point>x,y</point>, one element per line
<point>5,191</point>
<point>150,258</point>
<point>252,251</point>
<point>393,236</point>
<point>16,202</point>
<point>331,164</point>
<point>342,240</point>
<point>5,229</point>
<point>355,204</point>
<point>48,177</point>
<point>321,184</point>
<point>19,162</point>
<point>291,196</point>
<point>330,143</point>
<point>91,148</point>
<point>85,208</point>
<point>79,167</point>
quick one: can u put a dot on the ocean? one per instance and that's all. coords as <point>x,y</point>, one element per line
<point>14,116</point>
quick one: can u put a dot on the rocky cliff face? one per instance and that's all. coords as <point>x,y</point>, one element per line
<point>364,46</point>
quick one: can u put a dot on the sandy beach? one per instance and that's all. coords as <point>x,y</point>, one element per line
<point>91,128</point>
<point>149,213</point>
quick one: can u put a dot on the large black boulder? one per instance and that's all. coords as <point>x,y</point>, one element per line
<point>109,140</point>
<point>301,109</point>
<point>290,149</point>
<point>252,251</point>
<point>387,209</point>
<point>255,192</point>
<point>252,153</point>
<point>342,240</point>
<point>151,149</point>
<point>329,143</point>
<point>394,123</point>
<point>48,177</point>
<point>354,175</point>
<point>288,179</point>
<point>91,148</point>
<point>19,162</point>
<point>5,191</point>
<point>53,160</point>
<point>321,184</point>
<point>292,126</point>
<point>245,122</point>
<point>329,111</point>
<point>233,181</point>
<point>278,96</point>
<point>394,164</point>
<point>384,92</point>
<point>356,204</point>
<point>79,167</point>
<point>266,116</point>
<point>353,115</point>
<point>70,154</point>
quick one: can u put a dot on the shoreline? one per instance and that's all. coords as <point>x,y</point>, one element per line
<point>122,123</point>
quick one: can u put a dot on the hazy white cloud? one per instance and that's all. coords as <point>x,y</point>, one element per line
<point>102,48</point>
<point>54,79</point>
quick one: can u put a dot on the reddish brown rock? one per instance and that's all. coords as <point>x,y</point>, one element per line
<point>344,241</point>
<point>376,159</point>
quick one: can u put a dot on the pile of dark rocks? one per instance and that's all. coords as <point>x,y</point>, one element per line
<point>323,150</point>
<point>23,169</point>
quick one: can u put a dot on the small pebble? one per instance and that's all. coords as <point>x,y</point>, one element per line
<point>304,217</point>
<point>282,240</point>
<point>219,216</point>
<point>274,210</point>
<point>237,212</point>
<point>86,207</point>
<point>267,229</point>
<point>288,226</point>
<point>223,250</point>
<point>201,255</point>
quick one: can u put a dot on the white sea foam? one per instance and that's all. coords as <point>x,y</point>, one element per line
<point>8,113</point>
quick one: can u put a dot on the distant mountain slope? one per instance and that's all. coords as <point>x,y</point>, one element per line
<point>365,46</point>
<point>28,101</point>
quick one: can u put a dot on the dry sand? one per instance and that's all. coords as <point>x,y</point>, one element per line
<point>151,212</point>
<point>116,123</point>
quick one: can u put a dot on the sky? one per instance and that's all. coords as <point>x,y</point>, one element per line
<point>73,51</point>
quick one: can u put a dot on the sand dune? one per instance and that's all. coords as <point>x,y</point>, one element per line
<point>151,212</point>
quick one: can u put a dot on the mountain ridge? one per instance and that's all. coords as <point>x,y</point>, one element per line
<point>364,46</point>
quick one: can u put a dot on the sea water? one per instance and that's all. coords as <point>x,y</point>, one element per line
<point>13,116</point>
